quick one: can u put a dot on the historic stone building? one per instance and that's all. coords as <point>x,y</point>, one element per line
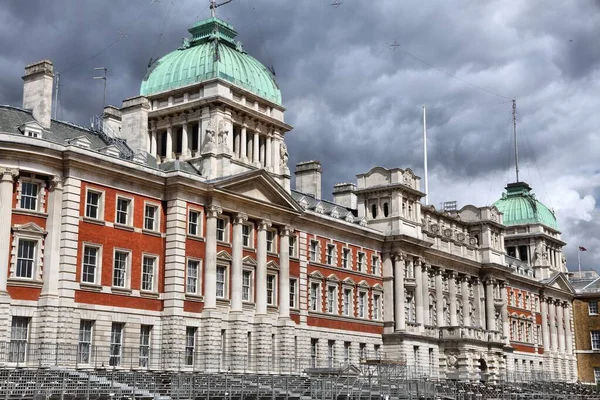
<point>167,236</point>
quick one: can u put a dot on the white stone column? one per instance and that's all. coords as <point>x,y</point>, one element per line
<point>504,311</point>
<point>568,327</point>
<point>276,156</point>
<point>52,242</point>
<point>284,272</point>
<point>464,281</point>
<point>561,327</point>
<point>153,143</point>
<point>237,255</point>
<point>439,297</point>
<point>261,268</point>
<point>452,297</point>
<point>399,296</point>
<point>268,155</point>
<point>418,290</point>
<point>210,261</point>
<point>185,150</point>
<point>552,321</point>
<point>7,177</point>
<point>256,149</point>
<point>169,147</point>
<point>425,283</point>
<point>545,331</point>
<point>489,305</point>
<point>244,144</point>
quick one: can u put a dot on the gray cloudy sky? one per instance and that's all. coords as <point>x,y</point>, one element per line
<point>354,101</point>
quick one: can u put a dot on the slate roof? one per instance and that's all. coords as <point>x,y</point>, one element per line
<point>325,207</point>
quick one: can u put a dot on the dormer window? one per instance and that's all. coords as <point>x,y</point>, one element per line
<point>31,129</point>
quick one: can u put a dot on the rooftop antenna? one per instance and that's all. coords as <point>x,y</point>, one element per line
<point>103,78</point>
<point>514,114</point>
<point>214,6</point>
<point>425,155</point>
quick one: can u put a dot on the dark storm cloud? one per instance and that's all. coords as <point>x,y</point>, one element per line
<point>354,101</point>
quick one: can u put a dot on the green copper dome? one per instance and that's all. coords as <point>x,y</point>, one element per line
<point>212,52</point>
<point>520,207</point>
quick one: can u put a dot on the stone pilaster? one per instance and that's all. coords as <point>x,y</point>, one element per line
<point>7,177</point>
<point>452,298</point>
<point>418,292</point>
<point>464,281</point>
<point>210,262</point>
<point>561,327</point>
<point>439,297</point>
<point>261,268</point>
<point>236,263</point>
<point>553,330</point>
<point>545,330</point>
<point>388,290</point>
<point>284,272</point>
<point>399,296</point>
<point>477,321</point>
<point>425,282</point>
<point>504,312</point>
<point>489,305</point>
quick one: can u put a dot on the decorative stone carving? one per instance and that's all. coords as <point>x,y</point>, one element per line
<point>56,182</point>
<point>286,230</point>
<point>240,218</point>
<point>452,360</point>
<point>460,237</point>
<point>283,154</point>
<point>7,173</point>
<point>448,232</point>
<point>222,133</point>
<point>264,225</point>
<point>435,228</point>
<point>213,211</point>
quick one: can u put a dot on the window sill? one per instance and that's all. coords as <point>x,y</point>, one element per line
<point>224,244</point>
<point>24,282</point>
<point>31,213</point>
<point>271,254</point>
<point>151,233</point>
<point>124,227</point>
<point>149,295</point>
<point>121,291</point>
<point>92,287</point>
<point>194,237</point>
<point>194,297</point>
<point>272,307</point>
<point>94,221</point>
<point>251,249</point>
<point>223,302</point>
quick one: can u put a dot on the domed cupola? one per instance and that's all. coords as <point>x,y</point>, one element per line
<point>211,53</point>
<point>520,207</point>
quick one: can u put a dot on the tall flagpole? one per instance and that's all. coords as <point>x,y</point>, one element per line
<point>425,155</point>
<point>579,260</point>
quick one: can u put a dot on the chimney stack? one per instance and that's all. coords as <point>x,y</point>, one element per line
<point>37,91</point>
<point>343,194</point>
<point>308,178</point>
<point>134,123</point>
<point>111,118</point>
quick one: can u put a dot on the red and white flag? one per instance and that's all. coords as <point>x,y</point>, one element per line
<point>581,248</point>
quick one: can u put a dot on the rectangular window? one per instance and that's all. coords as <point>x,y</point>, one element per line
<point>120,269</point>
<point>116,342</point>
<point>596,375</point>
<point>270,241</point>
<point>145,331</point>
<point>361,262</point>
<point>193,269</point>
<point>347,352</point>
<point>194,223</point>
<point>293,290</point>
<point>345,258</point>
<point>221,232</point>
<point>331,353</point>
<point>376,307</point>
<point>29,196</point>
<point>90,264</point>
<point>84,347</point>
<point>331,299</point>
<point>123,216</point>
<point>377,349</point>
<point>221,275</point>
<point>293,246</point>
<point>330,253</point>
<point>362,303</point>
<point>190,342</point>
<point>92,204</point>
<point>593,307</point>
<point>26,258</point>
<point>246,285</point>
<point>151,217</point>
<point>362,351</point>
<point>148,273</point>
<point>314,250</point>
<point>347,300</point>
<point>375,265</point>
<point>247,235</point>
<point>595,340</point>
<point>314,352</point>
<point>19,333</point>
<point>315,289</point>
<point>271,290</point>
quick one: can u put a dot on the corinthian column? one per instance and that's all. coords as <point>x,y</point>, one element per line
<point>464,281</point>
<point>425,283</point>
<point>268,154</point>
<point>568,333</point>
<point>261,268</point>
<point>52,243</point>
<point>561,327</point>
<point>244,144</point>
<point>418,292</point>
<point>545,331</point>
<point>552,317</point>
<point>7,177</point>
<point>399,295</point>
<point>284,272</point>
<point>504,312</point>
<point>489,305</point>
<point>452,299</point>
<point>439,297</point>
<point>236,263</point>
<point>210,268</point>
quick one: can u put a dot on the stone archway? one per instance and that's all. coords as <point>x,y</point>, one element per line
<point>483,369</point>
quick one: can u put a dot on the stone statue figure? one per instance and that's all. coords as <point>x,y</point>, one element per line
<point>563,260</point>
<point>209,140</point>
<point>283,153</point>
<point>222,134</point>
<point>452,360</point>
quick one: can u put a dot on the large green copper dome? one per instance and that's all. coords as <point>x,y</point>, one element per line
<point>520,207</point>
<point>212,52</point>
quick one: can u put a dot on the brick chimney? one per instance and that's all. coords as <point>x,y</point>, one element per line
<point>37,91</point>
<point>308,178</point>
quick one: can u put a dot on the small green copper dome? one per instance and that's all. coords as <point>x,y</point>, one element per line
<point>519,207</point>
<point>212,52</point>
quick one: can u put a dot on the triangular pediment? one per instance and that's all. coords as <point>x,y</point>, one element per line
<point>224,256</point>
<point>30,228</point>
<point>316,275</point>
<point>260,187</point>
<point>249,261</point>
<point>272,265</point>
<point>560,282</point>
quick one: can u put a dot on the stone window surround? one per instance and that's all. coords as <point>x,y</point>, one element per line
<point>318,306</point>
<point>348,284</point>
<point>127,285</point>
<point>275,241</point>
<point>101,197</point>
<point>316,251</point>
<point>130,209</point>
<point>250,226</point>
<point>226,265</point>
<point>331,254</point>
<point>98,269</point>
<point>593,307</point>
<point>294,290</point>
<point>199,223</point>
<point>33,232</point>
<point>154,272</point>
<point>346,257</point>
<point>156,216</point>
<point>293,240</point>
<point>275,295</point>
<point>226,225</point>
<point>199,273</point>
<point>41,195</point>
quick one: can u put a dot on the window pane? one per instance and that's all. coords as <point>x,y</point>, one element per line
<point>148,268</point>
<point>92,204</point>
<point>192,276</point>
<point>90,262</point>
<point>193,223</point>
<point>120,269</point>
<point>85,341</point>
<point>116,336</point>
<point>18,339</point>
<point>150,218</point>
<point>29,194</point>
<point>123,211</point>
<point>25,259</point>
<point>220,281</point>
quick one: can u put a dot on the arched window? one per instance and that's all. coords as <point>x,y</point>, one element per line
<point>386,210</point>
<point>374,210</point>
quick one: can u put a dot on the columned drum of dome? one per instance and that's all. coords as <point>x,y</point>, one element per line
<point>212,52</point>
<point>520,207</point>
